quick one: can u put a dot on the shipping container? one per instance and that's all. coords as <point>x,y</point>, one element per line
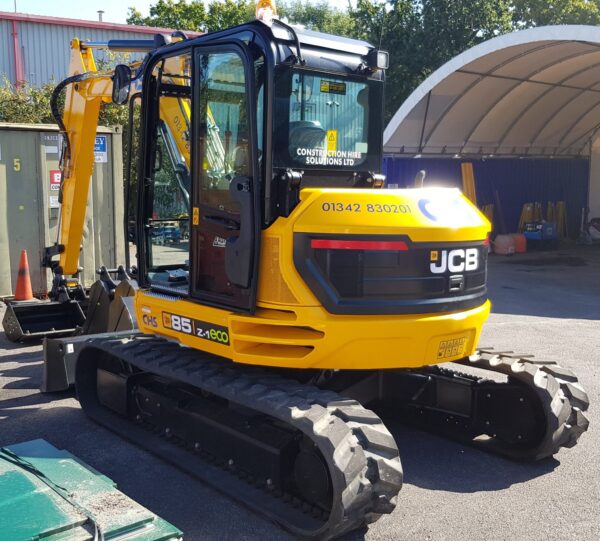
<point>29,207</point>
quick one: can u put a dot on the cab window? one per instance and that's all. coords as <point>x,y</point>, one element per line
<point>168,217</point>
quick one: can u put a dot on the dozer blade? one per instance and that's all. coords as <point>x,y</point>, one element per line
<point>24,321</point>
<point>60,356</point>
<point>106,317</point>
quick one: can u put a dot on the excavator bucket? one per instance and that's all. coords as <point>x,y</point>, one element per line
<point>71,312</point>
<point>24,321</point>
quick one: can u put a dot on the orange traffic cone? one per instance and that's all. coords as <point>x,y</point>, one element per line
<point>23,292</point>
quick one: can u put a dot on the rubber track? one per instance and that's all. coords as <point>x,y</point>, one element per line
<point>361,454</point>
<point>561,397</point>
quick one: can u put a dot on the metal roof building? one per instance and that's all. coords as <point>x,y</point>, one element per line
<point>34,48</point>
<point>529,94</point>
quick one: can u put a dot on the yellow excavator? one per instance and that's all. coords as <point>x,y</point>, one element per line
<point>298,302</point>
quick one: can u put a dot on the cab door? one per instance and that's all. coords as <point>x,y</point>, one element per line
<point>225,206</point>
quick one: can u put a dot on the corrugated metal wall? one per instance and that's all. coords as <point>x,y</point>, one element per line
<point>45,48</point>
<point>517,181</point>
<point>7,68</point>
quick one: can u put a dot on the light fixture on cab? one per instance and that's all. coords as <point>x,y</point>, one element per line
<point>266,11</point>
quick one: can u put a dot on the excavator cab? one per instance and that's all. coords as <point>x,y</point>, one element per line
<point>248,117</point>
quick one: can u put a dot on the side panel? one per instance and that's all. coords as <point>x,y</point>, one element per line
<point>311,338</point>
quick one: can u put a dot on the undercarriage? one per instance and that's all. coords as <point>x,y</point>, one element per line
<point>300,447</point>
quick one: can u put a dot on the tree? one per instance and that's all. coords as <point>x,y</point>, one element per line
<point>172,14</point>
<point>320,17</point>
<point>220,14</point>
<point>228,13</point>
<point>196,15</point>
<point>527,13</point>
<point>449,27</point>
<point>370,19</point>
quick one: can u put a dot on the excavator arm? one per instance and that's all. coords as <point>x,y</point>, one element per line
<point>86,90</point>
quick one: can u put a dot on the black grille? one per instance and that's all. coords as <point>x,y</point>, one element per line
<point>388,281</point>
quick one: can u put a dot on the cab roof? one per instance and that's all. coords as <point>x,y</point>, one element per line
<point>322,40</point>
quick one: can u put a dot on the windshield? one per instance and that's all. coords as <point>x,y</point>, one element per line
<point>327,122</point>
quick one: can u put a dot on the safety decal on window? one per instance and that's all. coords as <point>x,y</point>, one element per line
<point>332,87</point>
<point>332,137</point>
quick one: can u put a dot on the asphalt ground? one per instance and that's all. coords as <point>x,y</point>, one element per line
<point>546,303</point>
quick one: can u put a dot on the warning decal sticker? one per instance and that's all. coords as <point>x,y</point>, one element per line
<point>332,87</point>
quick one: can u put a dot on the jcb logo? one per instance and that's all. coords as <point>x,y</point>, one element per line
<point>454,261</point>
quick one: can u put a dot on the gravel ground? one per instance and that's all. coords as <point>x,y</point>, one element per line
<point>451,491</point>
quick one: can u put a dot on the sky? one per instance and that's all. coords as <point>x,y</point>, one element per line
<point>115,11</point>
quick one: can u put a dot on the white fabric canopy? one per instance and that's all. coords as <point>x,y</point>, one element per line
<point>535,92</point>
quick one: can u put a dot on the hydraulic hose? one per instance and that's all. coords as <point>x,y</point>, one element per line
<point>66,153</point>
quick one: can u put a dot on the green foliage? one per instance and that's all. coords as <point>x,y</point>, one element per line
<point>227,13</point>
<point>218,14</point>
<point>371,18</point>
<point>318,16</point>
<point>171,14</point>
<point>25,105</point>
<point>528,13</point>
<point>31,105</point>
<point>451,27</point>
<point>195,15</point>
